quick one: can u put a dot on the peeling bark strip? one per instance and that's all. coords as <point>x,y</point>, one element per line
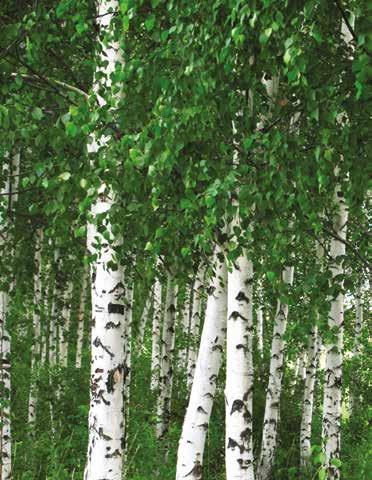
<point>195,426</point>
<point>166,362</point>
<point>106,413</point>
<point>274,388</point>
<point>331,428</point>
<point>239,372</point>
<point>156,335</point>
<point>308,399</point>
<point>194,326</point>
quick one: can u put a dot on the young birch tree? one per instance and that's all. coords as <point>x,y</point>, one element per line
<point>274,388</point>
<point>166,360</point>
<point>196,422</point>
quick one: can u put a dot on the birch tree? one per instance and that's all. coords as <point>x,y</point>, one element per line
<point>106,413</point>
<point>332,400</point>
<point>195,425</point>
<point>274,388</point>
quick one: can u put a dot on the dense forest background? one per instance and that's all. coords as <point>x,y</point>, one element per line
<point>184,225</point>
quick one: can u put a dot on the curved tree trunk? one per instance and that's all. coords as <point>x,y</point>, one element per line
<point>64,330</point>
<point>185,327</point>
<point>274,388</point>
<point>331,431</point>
<point>354,395</point>
<point>195,426</point>
<point>239,372</point>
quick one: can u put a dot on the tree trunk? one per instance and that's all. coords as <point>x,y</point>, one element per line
<point>195,426</point>
<point>11,187</point>
<point>5,438</point>
<point>259,331</point>
<point>273,393</point>
<point>144,319</point>
<point>156,336</point>
<point>81,316</point>
<point>166,364</point>
<point>106,413</point>
<point>35,348</point>
<point>308,398</point>
<point>194,327</point>
<point>331,430</point>
<point>185,328</point>
<point>64,330</point>
<point>354,394</point>
<point>239,372</point>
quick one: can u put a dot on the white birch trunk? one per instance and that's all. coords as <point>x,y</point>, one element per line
<point>36,344</point>
<point>143,320</point>
<point>308,398</point>
<point>259,331</point>
<point>53,332</point>
<point>239,372</point>
<point>156,336</point>
<point>331,431</point>
<point>196,422</point>
<point>185,328</point>
<point>354,397</point>
<point>166,364</point>
<point>274,388</point>
<point>9,189</point>
<point>81,316</point>
<point>106,413</point>
<point>194,327</point>
<point>5,438</point>
<point>64,329</point>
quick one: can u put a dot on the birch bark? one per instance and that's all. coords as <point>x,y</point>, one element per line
<point>331,426</point>
<point>239,372</point>
<point>81,316</point>
<point>106,413</point>
<point>195,426</point>
<point>274,388</point>
<point>166,364</point>
<point>156,336</point>
<point>35,348</point>
<point>194,327</point>
<point>8,191</point>
<point>308,398</point>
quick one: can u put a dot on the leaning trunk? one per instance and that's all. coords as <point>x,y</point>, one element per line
<point>195,426</point>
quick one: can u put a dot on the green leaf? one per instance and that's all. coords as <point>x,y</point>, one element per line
<point>336,462</point>
<point>71,129</point>
<point>64,176</point>
<point>150,22</point>
<point>322,474</point>
<point>81,231</point>
<point>271,276</point>
<point>37,113</point>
